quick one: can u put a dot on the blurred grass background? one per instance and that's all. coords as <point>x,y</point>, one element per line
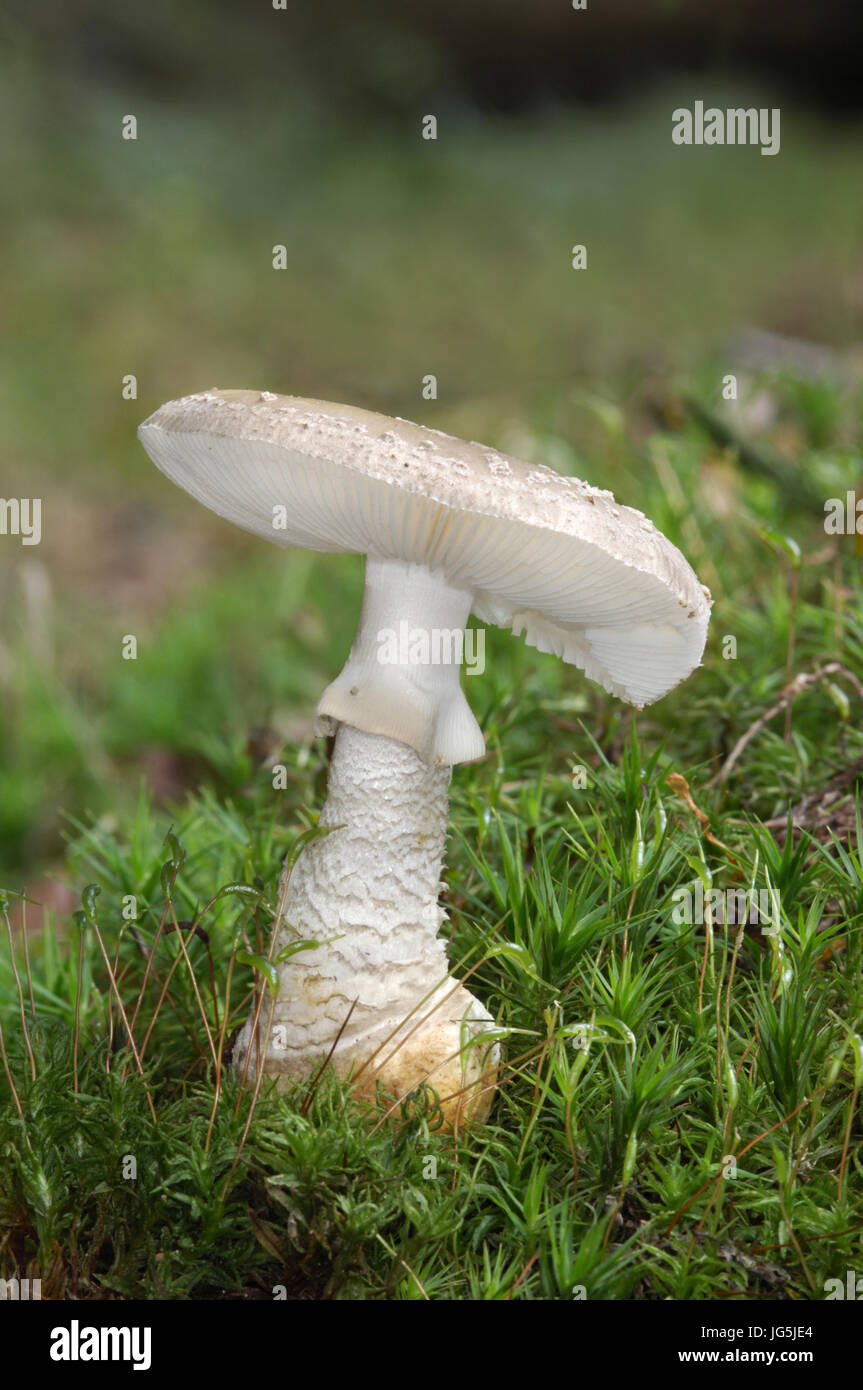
<point>153,258</point>
<point>404,257</point>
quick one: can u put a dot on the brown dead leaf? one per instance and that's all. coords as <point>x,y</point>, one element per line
<point>680,787</point>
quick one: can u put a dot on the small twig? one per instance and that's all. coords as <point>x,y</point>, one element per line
<point>259,1081</point>
<point>221,1047</point>
<point>121,1007</point>
<point>795,687</point>
<point>794,1241</point>
<point>720,1177</point>
<point>179,927</point>
<point>851,1112</point>
<point>9,1074</point>
<point>313,1084</point>
<point>818,798</point>
<point>528,1267</point>
<point>25,936</point>
<point>805,1240</point>
<point>20,991</point>
<point>149,965</point>
<point>78,1005</point>
<point>792,634</point>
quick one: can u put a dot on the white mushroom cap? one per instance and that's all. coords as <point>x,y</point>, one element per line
<point>545,555</point>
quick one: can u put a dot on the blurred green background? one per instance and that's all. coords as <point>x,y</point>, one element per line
<point>302,127</point>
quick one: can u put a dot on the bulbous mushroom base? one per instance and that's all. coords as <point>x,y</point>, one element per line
<point>425,1054</point>
<point>464,1081</point>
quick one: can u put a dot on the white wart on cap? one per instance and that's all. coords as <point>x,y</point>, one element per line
<point>449,528</point>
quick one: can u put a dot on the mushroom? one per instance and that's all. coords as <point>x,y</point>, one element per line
<point>448,529</point>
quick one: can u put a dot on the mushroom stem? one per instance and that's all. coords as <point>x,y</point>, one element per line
<point>368,894</point>
<point>402,676</point>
